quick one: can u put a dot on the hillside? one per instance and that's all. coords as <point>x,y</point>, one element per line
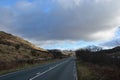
<point>10,39</point>
<point>13,48</point>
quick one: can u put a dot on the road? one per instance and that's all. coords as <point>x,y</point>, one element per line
<point>61,70</point>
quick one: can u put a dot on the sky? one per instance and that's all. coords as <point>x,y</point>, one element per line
<point>63,24</point>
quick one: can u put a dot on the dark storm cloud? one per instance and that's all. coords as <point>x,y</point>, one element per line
<point>64,19</point>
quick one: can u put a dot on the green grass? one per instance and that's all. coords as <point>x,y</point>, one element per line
<point>26,66</point>
<point>84,73</point>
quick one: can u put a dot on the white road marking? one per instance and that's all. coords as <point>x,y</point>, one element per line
<point>50,68</point>
<point>38,73</point>
<point>8,74</point>
<point>75,72</point>
<point>14,72</point>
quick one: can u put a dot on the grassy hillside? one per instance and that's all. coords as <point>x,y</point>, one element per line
<point>14,50</point>
<point>9,39</point>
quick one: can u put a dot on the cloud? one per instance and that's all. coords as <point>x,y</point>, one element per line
<point>24,6</point>
<point>105,35</point>
<point>51,20</point>
<point>67,44</point>
<point>6,18</point>
<point>115,41</point>
<point>111,43</point>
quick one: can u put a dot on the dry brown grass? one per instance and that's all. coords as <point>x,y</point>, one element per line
<point>89,71</point>
<point>15,51</point>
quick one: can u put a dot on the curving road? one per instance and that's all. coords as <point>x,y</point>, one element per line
<point>61,70</point>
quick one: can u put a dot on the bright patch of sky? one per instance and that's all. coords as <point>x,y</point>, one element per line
<point>70,45</point>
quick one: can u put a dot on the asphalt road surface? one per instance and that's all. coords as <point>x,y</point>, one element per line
<point>61,70</point>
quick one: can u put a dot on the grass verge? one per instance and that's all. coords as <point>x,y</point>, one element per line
<point>84,73</point>
<point>89,71</point>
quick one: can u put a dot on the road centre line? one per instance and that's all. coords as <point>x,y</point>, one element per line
<point>51,68</point>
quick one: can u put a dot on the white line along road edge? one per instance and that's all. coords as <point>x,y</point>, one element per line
<point>75,72</point>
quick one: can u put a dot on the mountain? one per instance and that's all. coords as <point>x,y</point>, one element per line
<point>13,48</point>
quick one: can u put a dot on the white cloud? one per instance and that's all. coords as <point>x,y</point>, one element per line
<point>51,20</point>
<point>105,34</point>
<point>6,18</point>
<point>68,4</point>
<point>115,41</point>
<point>24,6</point>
